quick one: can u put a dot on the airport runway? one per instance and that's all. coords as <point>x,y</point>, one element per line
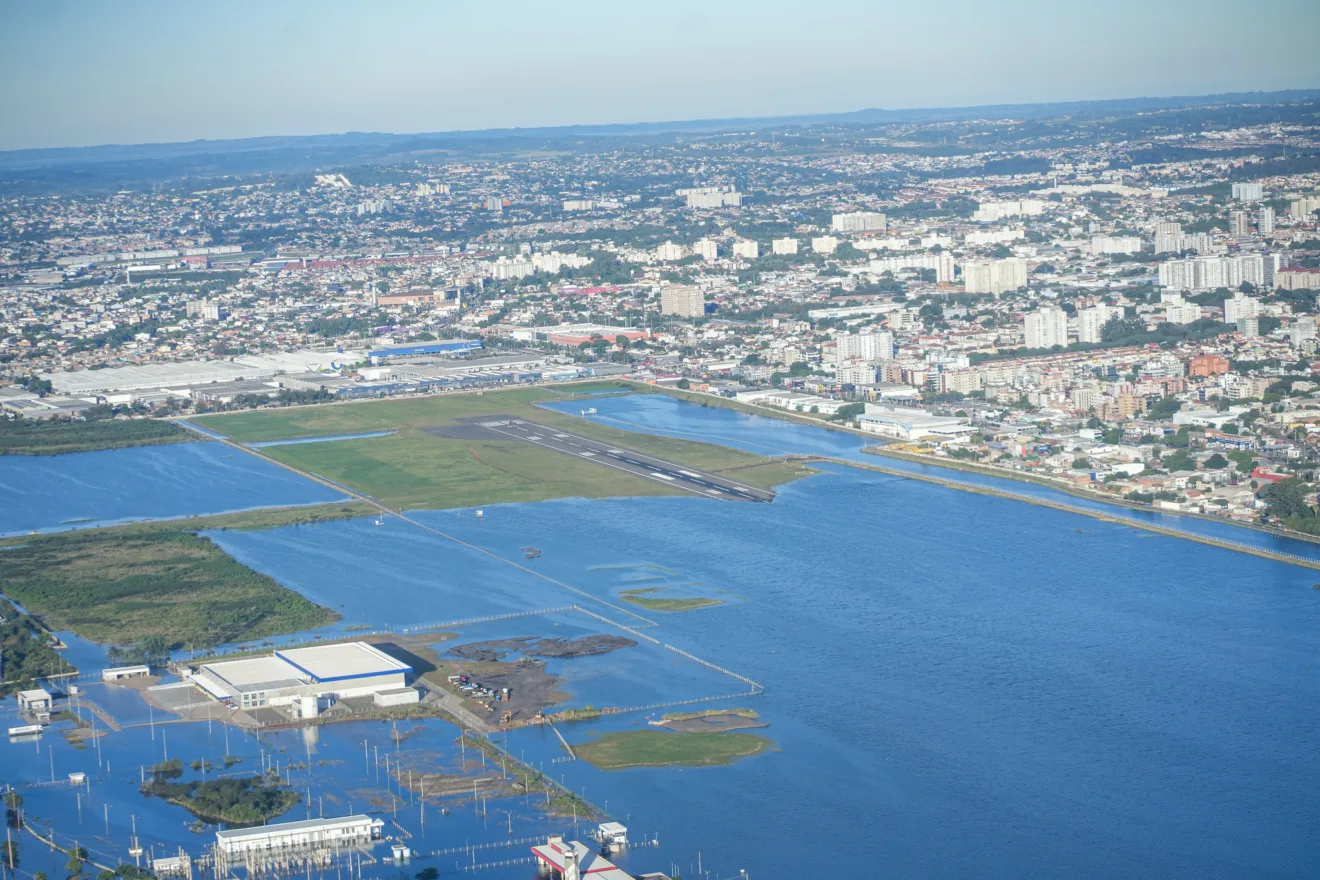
<point>688,479</point>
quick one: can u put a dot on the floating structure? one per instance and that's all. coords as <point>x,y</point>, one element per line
<point>27,730</point>
<point>291,840</point>
<point>573,860</point>
<point>289,677</point>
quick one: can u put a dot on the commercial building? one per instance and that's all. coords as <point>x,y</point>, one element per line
<point>995,276</point>
<point>440,346</point>
<point>858,221</point>
<point>682,300</point>
<point>1046,327</point>
<point>291,838</point>
<point>908,423</point>
<point>284,678</point>
<point>118,673</point>
<point>572,860</point>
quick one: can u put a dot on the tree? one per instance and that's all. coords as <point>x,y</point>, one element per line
<point>684,384</point>
<point>1285,499</point>
<point>1216,462</point>
<point>1179,461</point>
<point>1164,408</point>
<point>1116,329</point>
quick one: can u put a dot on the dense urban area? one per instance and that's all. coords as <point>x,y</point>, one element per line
<point>1119,301</point>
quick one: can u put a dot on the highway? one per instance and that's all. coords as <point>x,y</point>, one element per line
<point>697,482</point>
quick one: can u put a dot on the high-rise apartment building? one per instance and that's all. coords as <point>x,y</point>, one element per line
<point>859,221</point>
<point>1046,327</point>
<point>1091,322</point>
<point>1240,307</point>
<point>1304,208</point>
<point>872,346</point>
<point>746,249</point>
<point>1248,192</point>
<point>1238,223</point>
<point>995,276</point>
<point>706,249</point>
<point>682,300</point>
<point>784,246</point>
<point>1265,222</point>
<point>942,264</point>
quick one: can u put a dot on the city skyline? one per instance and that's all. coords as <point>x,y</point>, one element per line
<point>154,73</point>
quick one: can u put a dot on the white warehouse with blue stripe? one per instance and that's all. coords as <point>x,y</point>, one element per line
<point>300,676</point>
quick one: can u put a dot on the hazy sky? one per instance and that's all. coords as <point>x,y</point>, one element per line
<point>133,71</point>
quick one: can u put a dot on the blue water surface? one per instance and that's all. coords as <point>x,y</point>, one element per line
<point>54,493</point>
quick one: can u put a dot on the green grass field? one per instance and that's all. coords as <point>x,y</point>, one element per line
<point>651,599</point>
<point>118,585</point>
<point>414,469</point>
<point>658,748</point>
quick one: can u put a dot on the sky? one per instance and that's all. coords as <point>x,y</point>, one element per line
<point>140,71</point>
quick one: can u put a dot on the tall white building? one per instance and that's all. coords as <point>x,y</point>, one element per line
<point>824,244</point>
<point>941,263</point>
<point>1124,244</point>
<point>1304,208</point>
<point>784,246</point>
<point>1240,307</point>
<point>746,249</point>
<point>1265,222</point>
<point>710,197</point>
<point>1209,273</point>
<point>859,221</point>
<point>1182,312</point>
<point>1091,322</point>
<point>682,300</point>
<point>670,252</point>
<point>995,276</point>
<point>706,249</point>
<point>988,212</point>
<point>1302,329</point>
<point>1177,242</point>
<point>873,346</point>
<point>1248,192</point>
<point>1046,327</point>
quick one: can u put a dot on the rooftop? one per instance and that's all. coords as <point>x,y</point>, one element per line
<point>341,661</point>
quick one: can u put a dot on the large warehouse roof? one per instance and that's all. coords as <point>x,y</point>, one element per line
<point>181,375</point>
<point>342,661</point>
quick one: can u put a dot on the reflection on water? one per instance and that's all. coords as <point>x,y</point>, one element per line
<point>59,492</point>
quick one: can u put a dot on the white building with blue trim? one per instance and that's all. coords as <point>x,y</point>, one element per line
<point>284,678</point>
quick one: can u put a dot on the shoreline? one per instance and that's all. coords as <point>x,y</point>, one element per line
<point>1116,519</point>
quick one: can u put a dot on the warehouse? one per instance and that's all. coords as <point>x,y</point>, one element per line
<point>287,838</point>
<point>442,346</point>
<point>284,678</point>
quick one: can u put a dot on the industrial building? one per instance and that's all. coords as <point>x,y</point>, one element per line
<point>303,676</point>
<point>290,838</point>
<point>907,423</point>
<point>441,346</point>
<point>186,374</point>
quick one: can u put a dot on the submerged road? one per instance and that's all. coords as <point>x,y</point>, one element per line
<point>697,482</point>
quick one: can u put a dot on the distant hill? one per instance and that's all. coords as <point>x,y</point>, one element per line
<point>115,165</point>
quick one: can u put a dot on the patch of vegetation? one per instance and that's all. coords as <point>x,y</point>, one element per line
<point>657,748</point>
<point>706,713</point>
<point>58,436</point>
<point>247,801</point>
<point>646,597</point>
<point>117,586</point>
<point>429,463</point>
<point>27,656</point>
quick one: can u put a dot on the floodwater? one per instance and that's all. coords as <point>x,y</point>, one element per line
<point>956,684</point>
<point>80,490</point>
